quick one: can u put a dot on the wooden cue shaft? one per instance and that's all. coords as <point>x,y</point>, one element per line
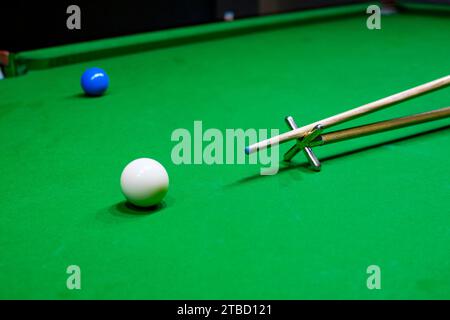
<point>381,126</point>
<point>350,114</point>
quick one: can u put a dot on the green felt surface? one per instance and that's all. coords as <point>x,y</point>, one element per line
<point>225,231</point>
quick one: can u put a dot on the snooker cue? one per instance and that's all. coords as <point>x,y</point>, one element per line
<point>381,126</point>
<point>350,114</point>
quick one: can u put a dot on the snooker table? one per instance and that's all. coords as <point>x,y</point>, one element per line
<point>225,231</point>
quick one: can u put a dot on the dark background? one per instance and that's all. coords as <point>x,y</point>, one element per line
<point>27,25</point>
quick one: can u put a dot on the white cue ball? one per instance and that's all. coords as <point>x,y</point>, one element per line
<point>144,182</point>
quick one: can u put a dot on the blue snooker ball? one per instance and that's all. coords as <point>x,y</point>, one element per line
<point>94,82</point>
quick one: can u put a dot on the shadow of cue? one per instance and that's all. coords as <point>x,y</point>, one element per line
<point>374,146</point>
